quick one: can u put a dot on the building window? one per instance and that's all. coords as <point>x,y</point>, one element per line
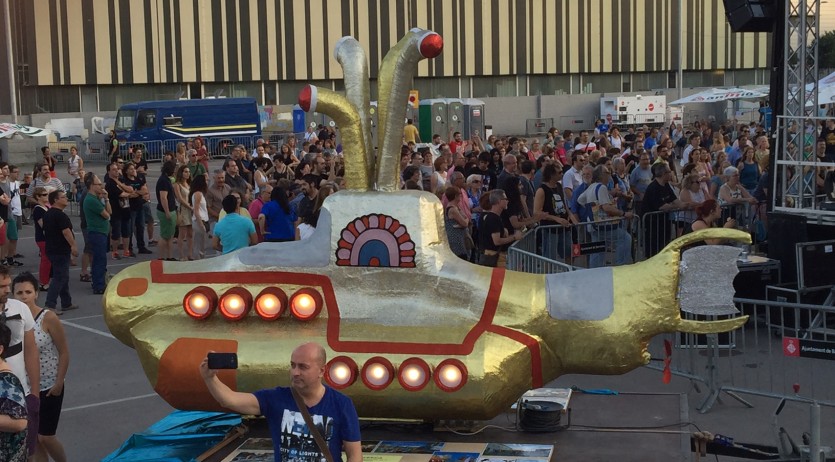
<point>645,81</point>
<point>549,84</point>
<point>36,100</point>
<point>494,86</point>
<point>111,97</point>
<point>745,77</point>
<point>601,83</point>
<point>704,79</point>
<point>234,90</point>
<point>437,87</point>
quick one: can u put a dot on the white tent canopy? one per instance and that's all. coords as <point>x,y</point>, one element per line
<point>716,95</point>
<point>7,130</point>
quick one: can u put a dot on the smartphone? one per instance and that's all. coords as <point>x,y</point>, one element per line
<point>223,360</point>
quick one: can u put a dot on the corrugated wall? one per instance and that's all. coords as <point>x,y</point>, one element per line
<point>161,41</point>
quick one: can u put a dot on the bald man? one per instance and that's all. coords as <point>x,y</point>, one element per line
<point>328,407</point>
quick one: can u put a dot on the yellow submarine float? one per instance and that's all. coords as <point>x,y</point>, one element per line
<point>411,331</point>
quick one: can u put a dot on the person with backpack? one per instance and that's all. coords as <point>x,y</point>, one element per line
<point>605,220</point>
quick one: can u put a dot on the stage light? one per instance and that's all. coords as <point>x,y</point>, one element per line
<point>306,304</point>
<point>270,303</point>
<point>414,374</point>
<point>450,375</point>
<point>200,302</point>
<point>341,372</point>
<point>235,303</point>
<point>377,373</point>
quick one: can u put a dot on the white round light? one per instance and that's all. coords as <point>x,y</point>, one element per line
<point>304,305</point>
<point>413,375</point>
<point>450,376</point>
<point>340,373</point>
<point>234,305</point>
<point>199,304</point>
<point>377,375</point>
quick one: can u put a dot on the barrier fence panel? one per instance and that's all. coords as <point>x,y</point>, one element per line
<point>785,350</point>
<point>97,152</point>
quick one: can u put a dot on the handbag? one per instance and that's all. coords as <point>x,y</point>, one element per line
<point>314,430</point>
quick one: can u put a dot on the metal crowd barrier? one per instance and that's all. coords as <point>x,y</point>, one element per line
<point>782,352</point>
<point>555,249</point>
<point>219,147</point>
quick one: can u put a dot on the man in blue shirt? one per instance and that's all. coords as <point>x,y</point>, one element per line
<point>329,408</point>
<point>233,232</point>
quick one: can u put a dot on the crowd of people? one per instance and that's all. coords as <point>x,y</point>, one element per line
<point>669,178</point>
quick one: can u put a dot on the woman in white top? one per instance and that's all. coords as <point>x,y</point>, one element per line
<point>200,215</point>
<point>54,356</point>
<point>260,175</point>
<point>615,139</point>
<point>692,195</point>
<point>437,183</point>
<point>74,163</point>
<point>732,193</point>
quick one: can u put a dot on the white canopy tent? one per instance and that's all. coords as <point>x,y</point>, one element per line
<point>717,95</point>
<point>8,129</point>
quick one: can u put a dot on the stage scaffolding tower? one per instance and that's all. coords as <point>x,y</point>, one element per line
<point>796,164</point>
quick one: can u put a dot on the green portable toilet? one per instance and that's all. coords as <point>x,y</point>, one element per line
<point>433,119</point>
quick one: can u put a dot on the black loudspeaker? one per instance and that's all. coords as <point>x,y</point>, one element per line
<point>751,15</point>
<point>785,230</point>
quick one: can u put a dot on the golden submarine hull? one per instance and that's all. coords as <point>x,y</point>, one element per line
<point>411,331</point>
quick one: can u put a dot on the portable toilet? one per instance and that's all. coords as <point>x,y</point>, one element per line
<point>473,118</point>
<point>455,123</point>
<point>299,119</point>
<point>433,118</point>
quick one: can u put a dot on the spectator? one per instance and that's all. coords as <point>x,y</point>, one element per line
<point>12,405</point>
<point>509,167</point>
<point>96,211</point>
<point>749,170</point>
<point>202,153</point>
<point>707,213</point>
<point>185,238</point>
<point>234,231</point>
<point>60,247</point>
<point>194,166</point>
<point>659,197</point>
<point>732,193</point>
<point>306,228</point>
<point>43,180</point>
<point>515,217</point>
<point>573,178</point>
<point>236,181</point>
<point>260,177</point>
<point>438,180</point>
<point>456,224</point>
<point>277,219</point>
<point>49,161</point>
<point>692,196</point>
<point>488,177</point>
<point>606,210</point>
<point>549,203</point>
<point>16,213</point>
<point>310,189</point>
<point>136,204</point>
<point>54,360</point>
<point>214,196</point>
<point>279,406</point>
<point>200,215</point>
<point>255,208</point>
<point>166,210</point>
<point>493,235</point>
<point>45,267</point>
<point>119,194</point>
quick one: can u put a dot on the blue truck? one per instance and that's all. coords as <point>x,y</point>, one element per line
<point>158,126</point>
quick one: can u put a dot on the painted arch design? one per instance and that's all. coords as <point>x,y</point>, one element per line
<point>375,240</point>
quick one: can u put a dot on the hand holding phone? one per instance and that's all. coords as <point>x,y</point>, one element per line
<point>222,360</point>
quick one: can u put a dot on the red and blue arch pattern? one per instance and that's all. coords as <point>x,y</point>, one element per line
<point>375,240</point>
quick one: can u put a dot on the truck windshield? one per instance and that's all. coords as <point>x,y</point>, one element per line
<point>125,119</point>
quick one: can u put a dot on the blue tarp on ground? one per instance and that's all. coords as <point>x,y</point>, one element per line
<point>179,437</point>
